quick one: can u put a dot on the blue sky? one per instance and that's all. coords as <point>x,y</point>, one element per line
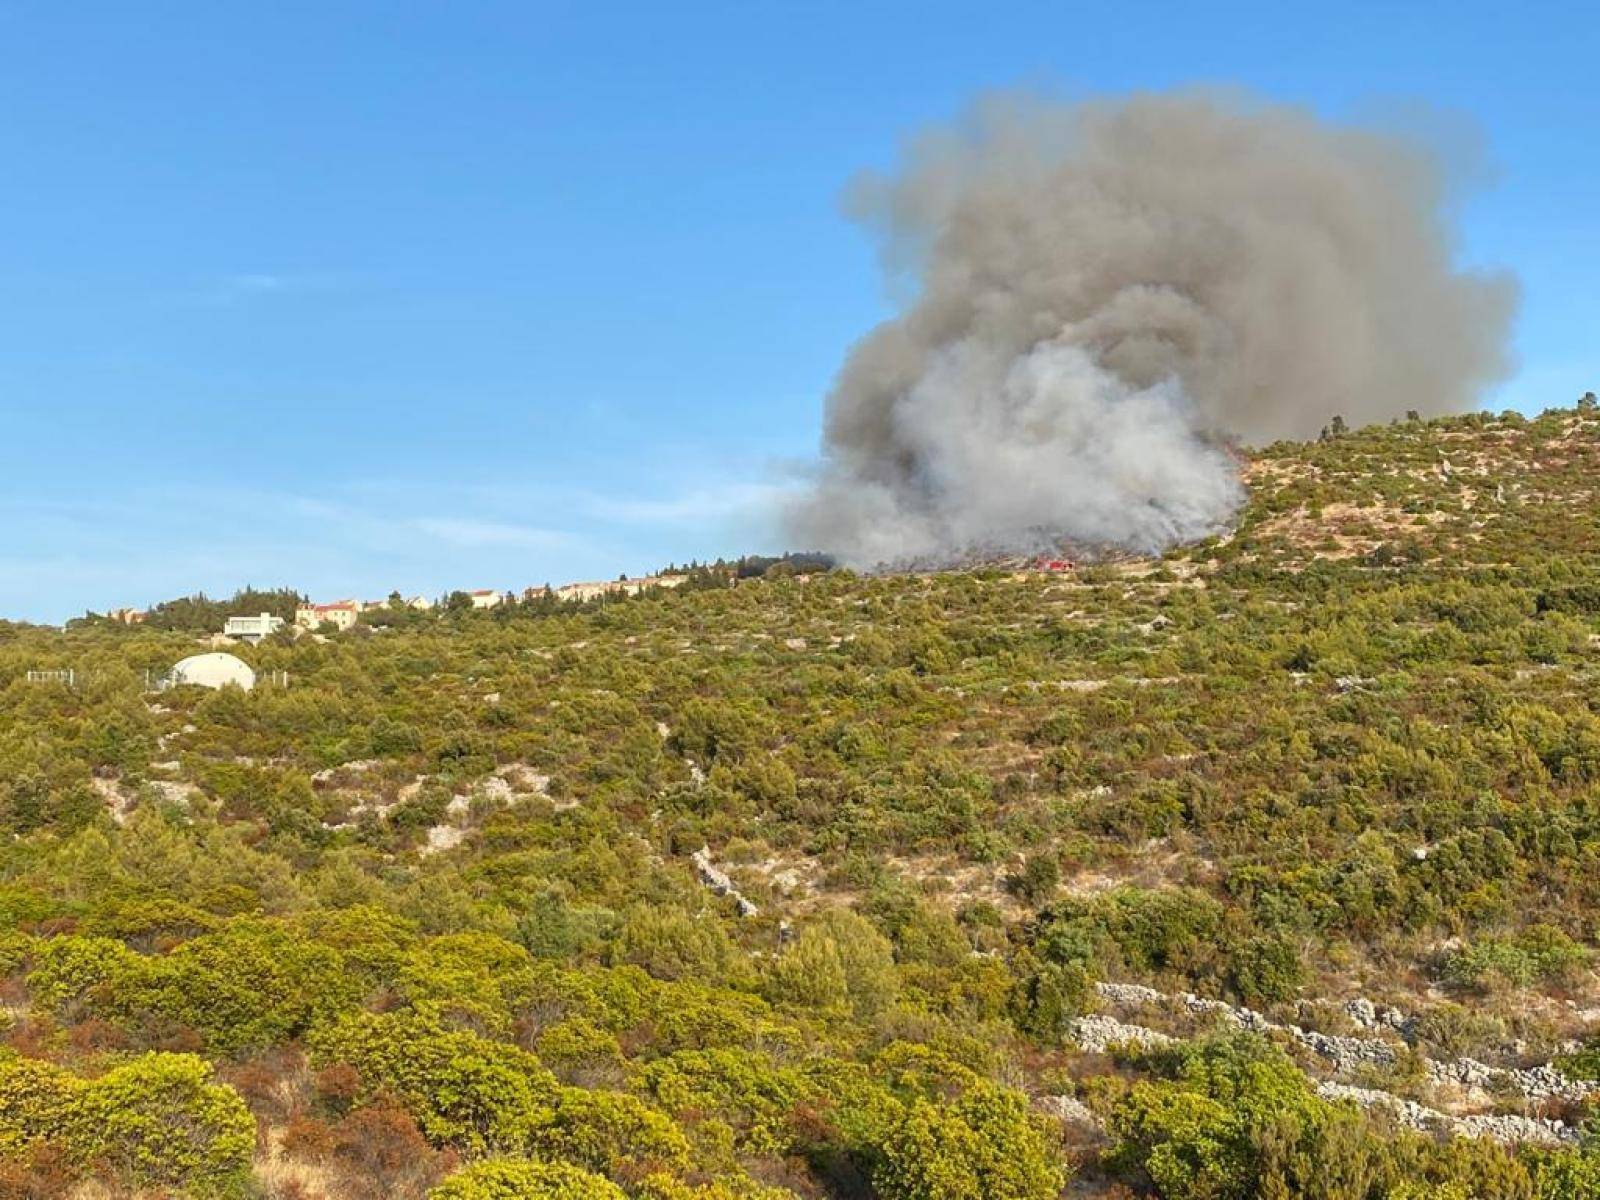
<point>354,295</point>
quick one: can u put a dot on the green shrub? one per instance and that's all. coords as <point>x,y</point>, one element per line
<point>162,1120</point>
<point>157,1121</point>
<point>1265,971</point>
<point>671,944</point>
<point>1539,954</point>
<point>751,1094</point>
<point>1566,1174</point>
<point>37,1103</point>
<point>70,971</point>
<point>523,1179</point>
<point>464,1090</point>
<point>983,1146</point>
<point>1195,1132</point>
<point>248,986</point>
<point>611,1132</point>
<point>1583,1063</point>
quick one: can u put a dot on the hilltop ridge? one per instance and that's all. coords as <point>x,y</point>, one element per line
<point>1282,843</point>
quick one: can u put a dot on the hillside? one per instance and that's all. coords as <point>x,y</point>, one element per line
<point>1263,868</point>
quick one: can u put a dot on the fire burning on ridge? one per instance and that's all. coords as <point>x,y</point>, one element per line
<point>1104,292</point>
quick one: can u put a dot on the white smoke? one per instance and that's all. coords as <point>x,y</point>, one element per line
<point>1102,291</point>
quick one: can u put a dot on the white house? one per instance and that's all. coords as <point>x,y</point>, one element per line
<point>252,629</point>
<point>485,598</point>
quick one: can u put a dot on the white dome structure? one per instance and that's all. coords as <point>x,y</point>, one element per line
<point>215,670</point>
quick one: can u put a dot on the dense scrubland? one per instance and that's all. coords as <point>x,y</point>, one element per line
<point>428,921</point>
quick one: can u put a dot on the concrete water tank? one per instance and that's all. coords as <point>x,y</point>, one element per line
<point>215,670</point>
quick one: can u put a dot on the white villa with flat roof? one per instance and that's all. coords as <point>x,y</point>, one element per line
<point>252,629</point>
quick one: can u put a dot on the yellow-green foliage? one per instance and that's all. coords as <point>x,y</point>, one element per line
<point>746,1090</point>
<point>578,1044</point>
<point>463,1089</point>
<point>476,975</point>
<point>162,1120</point>
<point>664,1187</point>
<point>674,945</point>
<point>247,986</point>
<point>156,1120</point>
<point>77,970</point>
<point>521,1179</point>
<point>37,1103</point>
<point>985,1145</point>
<point>838,962</point>
<point>611,1132</point>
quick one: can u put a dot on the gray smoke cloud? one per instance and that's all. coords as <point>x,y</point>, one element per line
<point>1101,292</point>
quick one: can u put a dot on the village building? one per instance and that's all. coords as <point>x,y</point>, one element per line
<point>341,614</point>
<point>252,629</point>
<point>579,592</point>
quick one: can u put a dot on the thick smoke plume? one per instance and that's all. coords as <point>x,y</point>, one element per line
<point>1102,294</point>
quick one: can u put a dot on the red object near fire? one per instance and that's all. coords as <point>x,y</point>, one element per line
<point>1056,564</point>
